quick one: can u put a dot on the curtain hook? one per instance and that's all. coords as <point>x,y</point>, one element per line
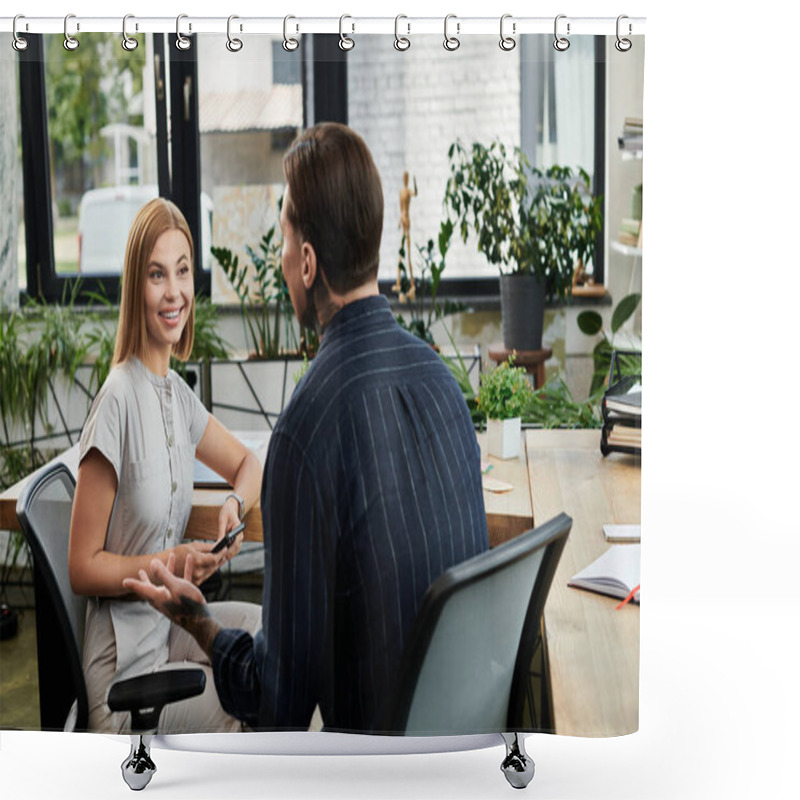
<point>623,45</point>
<point>181,42</point>
<point>401,42</point>
<point>19,43</point>
<point>345,42</point>
<point>233,45</point>
<point>507,43</point>
<point>560,43</point>
<point>290,45</point>
<point>451,43</point>
<point>128,42</point>
<point>70,42</point>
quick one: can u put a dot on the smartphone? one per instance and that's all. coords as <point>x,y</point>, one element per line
<point>227,539</point>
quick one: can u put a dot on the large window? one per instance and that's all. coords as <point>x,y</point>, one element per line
<point>104,130</point>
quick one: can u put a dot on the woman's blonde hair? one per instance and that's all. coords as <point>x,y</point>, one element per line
<point>152,219</point>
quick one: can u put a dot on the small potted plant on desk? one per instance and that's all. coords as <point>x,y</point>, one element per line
<point>503,395</point>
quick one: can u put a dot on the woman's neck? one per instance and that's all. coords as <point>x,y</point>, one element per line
<point>157,360</point>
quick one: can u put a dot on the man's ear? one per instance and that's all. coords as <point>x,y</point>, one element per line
<point>308,269</point>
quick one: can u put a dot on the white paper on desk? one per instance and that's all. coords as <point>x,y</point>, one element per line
<point>621,534</point>
<point>615,573</point>
<point>495,485</point>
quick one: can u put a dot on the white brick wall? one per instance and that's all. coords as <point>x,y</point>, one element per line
<point>411,106</point>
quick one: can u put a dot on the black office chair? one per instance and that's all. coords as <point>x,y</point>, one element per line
<point>44,509</point>
<point>466,664</point>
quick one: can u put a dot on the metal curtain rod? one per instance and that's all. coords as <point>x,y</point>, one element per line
<point>188,24</point>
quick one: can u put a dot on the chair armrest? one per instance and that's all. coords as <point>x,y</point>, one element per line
<point>145,695</point>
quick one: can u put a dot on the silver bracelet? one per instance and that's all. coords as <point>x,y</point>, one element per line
<point>240,501</point>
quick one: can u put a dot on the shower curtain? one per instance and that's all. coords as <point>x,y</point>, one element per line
<point>209,126</point>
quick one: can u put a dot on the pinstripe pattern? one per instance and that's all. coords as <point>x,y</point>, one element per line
<point>371,490</point>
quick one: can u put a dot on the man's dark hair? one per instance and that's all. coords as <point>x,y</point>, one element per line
<point>336,202</point>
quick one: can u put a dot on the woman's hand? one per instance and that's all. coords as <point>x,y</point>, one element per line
<point>229,519</point>
<point>203,562</point>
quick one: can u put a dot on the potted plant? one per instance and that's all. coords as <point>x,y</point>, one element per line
<point>534,225</point>
<point>591,323</point>
<point>503,395</point>
<point>262,383</point>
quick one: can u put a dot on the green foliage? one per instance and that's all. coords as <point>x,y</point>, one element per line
<point>87,90</point>
<point>504,392</point>
<point>526,220</point>
<point>298,376</point>
<point>552,406</point>
<point>208,344</point>
<point>459,371</point>
<point>12,396</point>
<point>259,286</point>
<point>426,308</point>
<point>591,323</point>
<point>58,346</point>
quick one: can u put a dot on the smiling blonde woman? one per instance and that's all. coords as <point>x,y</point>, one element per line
<point>134,486</point>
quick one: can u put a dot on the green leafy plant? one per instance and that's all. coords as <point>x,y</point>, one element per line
<point>426,308</point>
<point>504,392</point>
<point>12,396</point>
<point>263,295</point>
<point>56,345</point>
<point>591,323</point>
<point>552,406</point>
<point>257,285</point>
<point>526,220</point>
<point>208,344</point>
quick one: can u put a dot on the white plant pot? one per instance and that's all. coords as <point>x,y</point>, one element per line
<point>504,437</point>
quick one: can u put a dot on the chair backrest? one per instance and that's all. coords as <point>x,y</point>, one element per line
<point>44,509</point>
<point>471,644</point>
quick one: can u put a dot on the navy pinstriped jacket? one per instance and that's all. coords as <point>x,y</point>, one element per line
<point>372,488</point>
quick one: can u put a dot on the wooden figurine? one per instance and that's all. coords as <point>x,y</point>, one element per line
<point>405,224</point>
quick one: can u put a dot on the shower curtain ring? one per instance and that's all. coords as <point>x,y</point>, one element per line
<point>561,43</point>
<point>451,43</point>
<point>345,42</point>
<point>401,43</point>
<point>289,44</point>
<point>181,42</point>
<point>234,45</point>
<point>507,43</point>
<point>70,42</point>
<point>128,42</point>
<point>623,45</point>
<point>19,43</point>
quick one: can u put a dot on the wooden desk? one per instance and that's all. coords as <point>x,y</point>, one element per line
<point>203,519</point>
<point>592,649</point>
<point>508,514</point>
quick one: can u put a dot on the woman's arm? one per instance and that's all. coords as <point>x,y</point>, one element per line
<point>227,456</point>
<point>92,569</point>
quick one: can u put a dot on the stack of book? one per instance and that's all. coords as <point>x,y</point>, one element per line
<point>630,231</point>
<point>631,138</point>
<point>622,412</point>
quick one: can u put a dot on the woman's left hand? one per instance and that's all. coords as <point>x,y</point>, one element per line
<point>228,519</point>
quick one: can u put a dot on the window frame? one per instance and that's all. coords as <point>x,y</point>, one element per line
<point>325,98</point>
